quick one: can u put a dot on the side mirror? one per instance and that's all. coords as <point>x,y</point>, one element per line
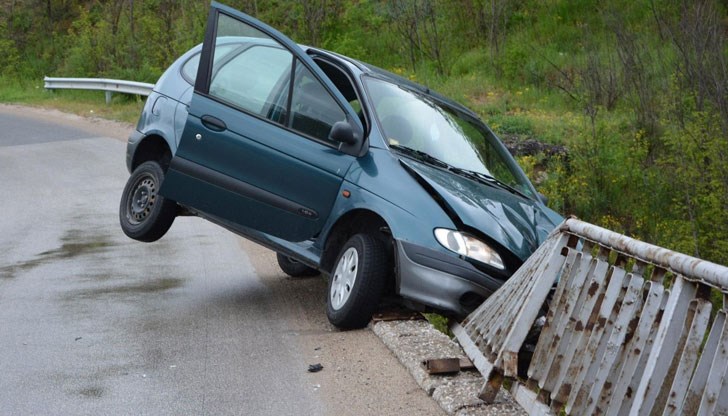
<point>350,137</point>
<point>342,132</point>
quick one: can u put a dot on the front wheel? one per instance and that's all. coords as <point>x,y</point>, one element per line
<point>357,282</point>
<point>143,213</point>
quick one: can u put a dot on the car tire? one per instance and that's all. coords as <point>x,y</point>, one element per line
<point>143,213</point>
<point>294,268</point>
<point>357,281</point>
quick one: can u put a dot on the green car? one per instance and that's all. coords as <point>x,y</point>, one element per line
<point>384,186</point>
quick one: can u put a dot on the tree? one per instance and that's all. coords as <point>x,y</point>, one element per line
<point>416,21</point>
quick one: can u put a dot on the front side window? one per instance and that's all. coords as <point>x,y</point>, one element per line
<point>313,110</point>
<point>255,74</point>
<point>189,69</point>
<point>248,77</point>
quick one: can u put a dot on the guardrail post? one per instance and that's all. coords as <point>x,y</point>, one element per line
<point>108,97</point>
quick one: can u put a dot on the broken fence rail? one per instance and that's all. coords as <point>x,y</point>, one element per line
<point>628,329</point>
<point>110,86</point>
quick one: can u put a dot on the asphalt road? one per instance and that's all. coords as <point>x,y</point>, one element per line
<point>200,322</point>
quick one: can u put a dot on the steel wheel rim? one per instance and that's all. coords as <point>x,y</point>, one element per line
<point>141,199</point>
<point>344,278</point>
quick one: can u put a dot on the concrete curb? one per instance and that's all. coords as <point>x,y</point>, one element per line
<point>412,342</point>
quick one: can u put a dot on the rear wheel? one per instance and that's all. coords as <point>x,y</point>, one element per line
<point>357,282</point>
<point>293,267</point>
<point>145,215</point>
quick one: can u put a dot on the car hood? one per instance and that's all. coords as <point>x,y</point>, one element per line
<point>517,223</point>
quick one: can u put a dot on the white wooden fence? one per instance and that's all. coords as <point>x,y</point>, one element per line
<point>630,329</point>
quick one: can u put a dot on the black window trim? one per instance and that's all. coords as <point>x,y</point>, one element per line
<point>202,82</point>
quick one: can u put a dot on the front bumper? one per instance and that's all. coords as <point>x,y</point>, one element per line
<point>442,282</point>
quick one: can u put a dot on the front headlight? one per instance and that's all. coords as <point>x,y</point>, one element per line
<point>468,246</point>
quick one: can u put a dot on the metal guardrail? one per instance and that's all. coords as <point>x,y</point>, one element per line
<point>629,329</point>
<point>110,86</point>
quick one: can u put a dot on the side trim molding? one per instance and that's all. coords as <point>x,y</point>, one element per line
<point>239,187</point>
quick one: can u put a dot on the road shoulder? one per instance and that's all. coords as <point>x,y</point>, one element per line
<point>359,376</point>
<point>95,126</point>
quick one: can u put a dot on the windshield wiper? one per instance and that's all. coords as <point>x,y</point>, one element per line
<point>471,174</point>
<point>488,180</point>
<point>420,155</point>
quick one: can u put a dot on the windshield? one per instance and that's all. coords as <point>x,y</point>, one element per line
<point>415,121</point>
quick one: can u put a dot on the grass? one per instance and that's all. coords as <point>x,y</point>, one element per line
<point>439,322</point>
<point>125,108</point>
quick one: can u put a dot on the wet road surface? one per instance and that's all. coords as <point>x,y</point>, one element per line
<point>200,322</point>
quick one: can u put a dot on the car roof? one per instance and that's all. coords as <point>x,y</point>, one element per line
<point>377,72</point>
<point>354,64</point>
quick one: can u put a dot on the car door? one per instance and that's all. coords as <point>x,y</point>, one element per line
<point>255,151</point>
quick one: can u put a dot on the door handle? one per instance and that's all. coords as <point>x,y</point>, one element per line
<point>213,123</point>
